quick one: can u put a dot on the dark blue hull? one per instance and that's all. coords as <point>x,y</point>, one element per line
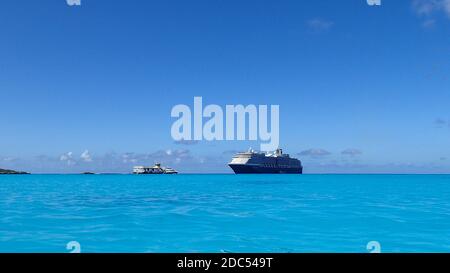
<point>252,169</point>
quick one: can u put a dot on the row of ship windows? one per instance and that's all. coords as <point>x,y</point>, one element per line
<point>267,165</point>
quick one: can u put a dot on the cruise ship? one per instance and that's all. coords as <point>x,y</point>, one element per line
<point>157,169</point>
<point>265,163</point>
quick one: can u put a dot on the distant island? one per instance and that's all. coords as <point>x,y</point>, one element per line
<point>2,171</point>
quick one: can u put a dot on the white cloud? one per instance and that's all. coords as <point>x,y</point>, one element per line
<point>351,152</point>
<point>430,7</point>
<point>86,156</point>
<point>8,159</point>
<point>315,152</point>
<point>318,24</point>
<point>68,158</point>
<point>186,142</point>
<point>441,123</point>
<point>446,6</point>
<point>429,23</point>
<point>166,157</point>
<point>180,159</point>
<point>425,7</point>
<point>315,161</point>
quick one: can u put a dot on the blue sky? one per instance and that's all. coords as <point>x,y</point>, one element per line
<point>360,88</point>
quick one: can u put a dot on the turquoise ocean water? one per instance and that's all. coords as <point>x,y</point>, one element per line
<point>225,213</point>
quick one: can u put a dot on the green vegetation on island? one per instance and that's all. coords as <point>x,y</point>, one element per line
<point>2,171</point>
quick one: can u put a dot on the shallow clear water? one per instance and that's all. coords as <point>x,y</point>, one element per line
<point>225,213</point>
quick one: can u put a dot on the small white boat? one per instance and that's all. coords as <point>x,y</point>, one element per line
<point>170,171</point>
<point>157,169</point>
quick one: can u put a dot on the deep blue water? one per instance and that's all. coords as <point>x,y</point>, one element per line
<point>214,213</point>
